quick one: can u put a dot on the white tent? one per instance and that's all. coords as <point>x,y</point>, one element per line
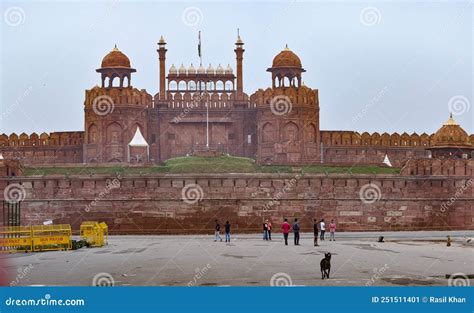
<point>386,160</point>
<point>138,141</point>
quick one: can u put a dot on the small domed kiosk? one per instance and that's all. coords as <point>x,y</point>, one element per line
<point>115,65</point>
<point>451,141</point>
<point>286,64</point>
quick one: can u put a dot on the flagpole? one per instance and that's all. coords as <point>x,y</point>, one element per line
<point>207,124</point>
<point>204,92</point>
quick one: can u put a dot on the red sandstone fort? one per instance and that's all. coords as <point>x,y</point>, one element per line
<point>277,125</point>
<point>205,109</point>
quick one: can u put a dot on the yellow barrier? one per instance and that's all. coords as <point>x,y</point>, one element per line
<point>51,237</point>
<point>94,234</point>
<point>105,232</point>
<point>15,239</point>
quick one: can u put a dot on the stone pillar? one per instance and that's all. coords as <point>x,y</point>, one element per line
<point>162,56</point>
<point>239,53</point>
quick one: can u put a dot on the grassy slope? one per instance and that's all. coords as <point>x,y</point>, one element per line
<point>222,164</point>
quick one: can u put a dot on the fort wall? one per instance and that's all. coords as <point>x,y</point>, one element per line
<point>160,204</point>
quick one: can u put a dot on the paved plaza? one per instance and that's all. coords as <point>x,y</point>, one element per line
<point>406,258</point>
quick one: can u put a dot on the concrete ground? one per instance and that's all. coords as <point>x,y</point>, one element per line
<point>406,258</point>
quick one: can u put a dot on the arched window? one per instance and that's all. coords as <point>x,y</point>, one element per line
<point>268,133</point>
<point>290,132</point>
<point>311,133</point>
<point>173,85</point>
<point>92,133</point>
<point>114,133</point>
<point>182,86</point>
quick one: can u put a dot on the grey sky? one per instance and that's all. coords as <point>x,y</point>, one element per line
<point>392,67</point>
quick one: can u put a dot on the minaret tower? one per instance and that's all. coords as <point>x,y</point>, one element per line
<point>239,53</point>
<point>162,56</point>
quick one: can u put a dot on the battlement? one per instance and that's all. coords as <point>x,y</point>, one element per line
<point>53,139</point>
<point>438,167</point>
<point>197,100</point>
<point>302,96</point>
<point>101,98</point>
<point>351,138</point>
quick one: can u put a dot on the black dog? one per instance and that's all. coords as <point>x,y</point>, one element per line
<point>326,265</point>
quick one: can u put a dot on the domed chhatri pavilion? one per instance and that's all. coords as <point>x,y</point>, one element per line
<point>451,141</point>
<point>205,108</point>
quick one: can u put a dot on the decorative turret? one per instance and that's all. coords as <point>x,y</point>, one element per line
<point>451,141</point>
<point>286,64</point>
<point>115,65</point>
<point>162,57</point>
<point>239,54</point>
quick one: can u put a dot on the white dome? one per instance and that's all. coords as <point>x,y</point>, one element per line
<point>228,70</point>
<point>182,69</point>
<point>201,70</point>
<point>210,70</point>
<point>191,69</point>
<point>220,70</point>
<point>173,69</point>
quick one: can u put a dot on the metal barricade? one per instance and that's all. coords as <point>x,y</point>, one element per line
<point>93,233</point>
<point>105,232</point>
<point>15,239</point>
<point>51,237</point>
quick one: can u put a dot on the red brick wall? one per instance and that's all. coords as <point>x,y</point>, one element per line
<point>154,204</point>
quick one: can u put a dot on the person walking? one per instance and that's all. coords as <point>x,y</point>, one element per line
<point>265,230</point>
<point>269,226</point>
<point>227,231</point>
<point>332,230</point>
<point>315,229</point>
<point>217,231</point>
<point>322,228</point>
<point>296,231</point>
<point>285,227</point>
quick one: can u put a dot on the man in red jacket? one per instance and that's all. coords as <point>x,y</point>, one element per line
<point>285,227</point>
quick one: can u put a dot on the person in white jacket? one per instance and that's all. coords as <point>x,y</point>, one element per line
<point>322,228</point>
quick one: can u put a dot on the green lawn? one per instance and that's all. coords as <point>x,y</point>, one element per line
<point>193,164</point>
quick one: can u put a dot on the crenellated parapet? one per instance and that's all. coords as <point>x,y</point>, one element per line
<point>53,139</point>
<point>439,167</point>
<point>110,97</point>
<point>302,96</point>
<point>196,100</point>
<point>351,138</point>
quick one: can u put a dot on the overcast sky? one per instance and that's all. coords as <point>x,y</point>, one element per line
<point>379,66</point>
